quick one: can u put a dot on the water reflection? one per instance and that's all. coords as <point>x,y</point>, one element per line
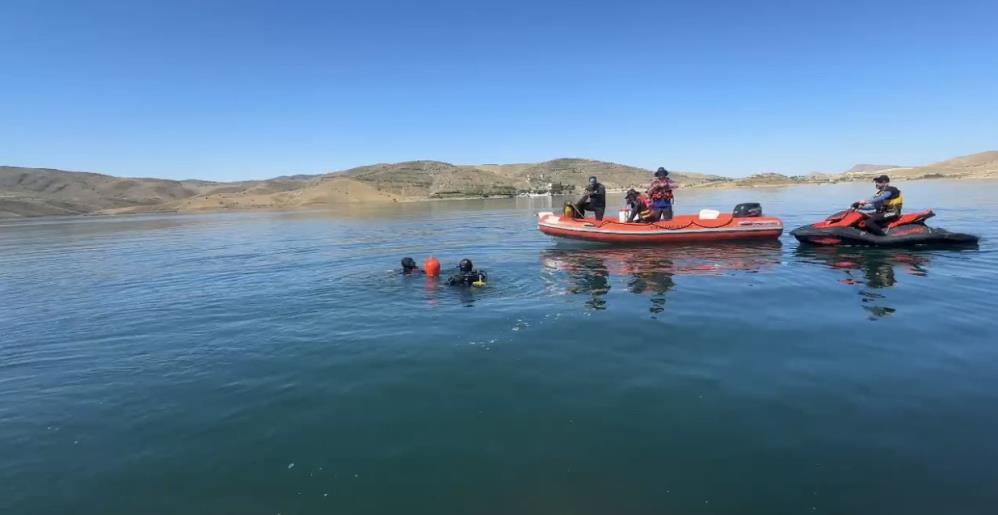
<point>588,274</point>
<point>873,270</point>
<point>648,270</point>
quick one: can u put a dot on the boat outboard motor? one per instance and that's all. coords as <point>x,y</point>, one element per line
<point>747,210</point>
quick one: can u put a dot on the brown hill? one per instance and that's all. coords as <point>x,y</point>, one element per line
<point>430,179</point>
<point>576,173</point>
<point>868,168</point>
<point>983,165</point>
<point>316,192</point>
<point>984,160</point>
<point>41,192</point>
<point>975,166</point>
<point>46,192</point>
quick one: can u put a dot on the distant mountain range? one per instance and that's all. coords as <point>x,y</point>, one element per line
<point>45,192</point>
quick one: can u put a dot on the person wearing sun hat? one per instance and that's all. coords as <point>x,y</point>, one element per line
<point>660,192</point>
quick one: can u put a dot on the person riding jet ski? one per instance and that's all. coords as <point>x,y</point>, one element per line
<point>886,204</point>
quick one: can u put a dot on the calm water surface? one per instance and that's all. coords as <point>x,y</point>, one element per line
<point>271,363</point>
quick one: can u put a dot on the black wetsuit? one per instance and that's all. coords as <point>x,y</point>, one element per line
<point>466,278</point>
<point>594,200</point>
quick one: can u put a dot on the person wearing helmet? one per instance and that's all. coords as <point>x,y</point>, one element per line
<point>886,204</point>
<point>639,206</point>
<point>409,266</point>
<point>593,199</point>
<point>660,192</point>
<point>467,275</point>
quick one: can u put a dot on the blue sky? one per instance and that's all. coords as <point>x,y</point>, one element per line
<point>239,90</point>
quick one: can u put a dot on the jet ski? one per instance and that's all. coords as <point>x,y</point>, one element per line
<point>849,228</point>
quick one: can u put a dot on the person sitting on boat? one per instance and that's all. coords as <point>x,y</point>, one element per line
<point>467,275</point>
<point>593,199</point>
<point>639,207</point>
<point>660,191</point>
<point>886,204</point>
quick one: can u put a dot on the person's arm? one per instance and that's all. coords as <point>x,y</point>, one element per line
<point>632,207</point>
<point>878,198</point>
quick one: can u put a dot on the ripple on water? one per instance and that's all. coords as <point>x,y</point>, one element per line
<point>211,352</point>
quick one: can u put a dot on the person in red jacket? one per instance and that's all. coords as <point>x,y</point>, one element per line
<point>660,192</point>
<point>639,207</point>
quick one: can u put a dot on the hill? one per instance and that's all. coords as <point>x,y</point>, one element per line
<point>983,165</point>
<point>868,168</point>
<point>47,192</point>
<point>42,192</point>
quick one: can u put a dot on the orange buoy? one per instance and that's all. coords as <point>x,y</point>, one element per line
<point>431,267</point>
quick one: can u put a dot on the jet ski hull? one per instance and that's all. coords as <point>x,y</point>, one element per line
<point>903,236</point>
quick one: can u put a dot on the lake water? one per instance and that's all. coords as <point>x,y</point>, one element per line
<point>271,363</point>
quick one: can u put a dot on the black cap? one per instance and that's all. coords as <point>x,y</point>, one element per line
<point>661,172</point>
<point>882,178</point>
<point>465,265</point>
<point>631,193</point>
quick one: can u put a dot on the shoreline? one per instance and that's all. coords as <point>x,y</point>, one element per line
<point>418,200</point>
<point>45,192</point>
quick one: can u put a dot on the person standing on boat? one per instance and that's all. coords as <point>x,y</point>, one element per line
<point>593,199</point>
<point>639,207</point>
<point>660,191</point>
<point>886,203</point>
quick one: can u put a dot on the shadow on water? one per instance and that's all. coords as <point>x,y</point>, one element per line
<point>873,270</point>
<point>649,270</point>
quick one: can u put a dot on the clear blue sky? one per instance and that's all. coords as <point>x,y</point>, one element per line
<point>233,90</point>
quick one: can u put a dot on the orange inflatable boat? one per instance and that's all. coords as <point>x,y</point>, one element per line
<point>707,225</point>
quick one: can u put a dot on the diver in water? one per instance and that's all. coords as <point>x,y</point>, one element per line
<point>467,275</point>
<point>409,266</point>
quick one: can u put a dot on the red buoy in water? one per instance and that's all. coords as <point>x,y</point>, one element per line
<point>431,267</point>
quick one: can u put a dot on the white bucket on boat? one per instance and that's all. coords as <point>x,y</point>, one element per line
<point>709,214</point>
<point>623,214</point>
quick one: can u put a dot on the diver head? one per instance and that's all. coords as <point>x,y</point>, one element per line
<point>593,181</point>
<point>408,265</point>
<point>882,182</point>
<point>661,172</point>
<point>465,265</point>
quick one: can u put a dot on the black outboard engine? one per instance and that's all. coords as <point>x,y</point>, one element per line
<point>747,210</point>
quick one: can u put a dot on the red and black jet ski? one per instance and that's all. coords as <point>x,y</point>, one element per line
<point>849,228</point>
